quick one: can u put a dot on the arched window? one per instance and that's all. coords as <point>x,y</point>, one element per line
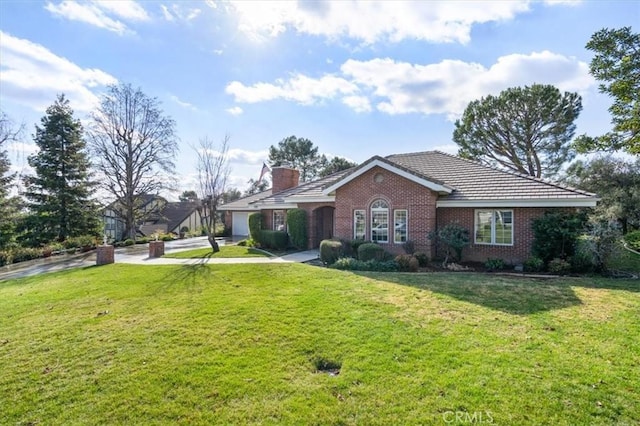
<point>380,221</point>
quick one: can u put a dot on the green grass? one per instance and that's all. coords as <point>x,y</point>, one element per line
<point>225,252</point>
<point>240,344</point>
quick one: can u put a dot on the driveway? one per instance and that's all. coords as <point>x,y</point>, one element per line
<point>139,255</point>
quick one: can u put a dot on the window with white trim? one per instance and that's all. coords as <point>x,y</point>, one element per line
<point>380,221</point>
<point>359,224</point>
<point>494,227</point>
<point>279,220</point>
<point>400,226</point>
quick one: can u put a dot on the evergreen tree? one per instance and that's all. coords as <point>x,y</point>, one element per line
<point>9,205</point>
<point>59,193</point>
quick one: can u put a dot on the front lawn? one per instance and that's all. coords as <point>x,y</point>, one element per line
<point>242,344</point>
<point>225,252</point>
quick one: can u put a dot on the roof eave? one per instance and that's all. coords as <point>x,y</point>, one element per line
<point>532,202</point>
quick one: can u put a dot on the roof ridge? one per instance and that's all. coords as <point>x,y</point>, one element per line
<point>514,173</point>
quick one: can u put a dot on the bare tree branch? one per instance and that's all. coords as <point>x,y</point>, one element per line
<point>134,147</point>
<point>213,173</point>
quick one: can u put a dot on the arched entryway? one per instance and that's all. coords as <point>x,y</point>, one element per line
<point>323,224</point>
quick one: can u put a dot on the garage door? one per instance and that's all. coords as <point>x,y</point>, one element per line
<point>240,222</point>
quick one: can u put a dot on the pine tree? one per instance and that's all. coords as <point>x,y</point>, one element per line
<point>59,193</point>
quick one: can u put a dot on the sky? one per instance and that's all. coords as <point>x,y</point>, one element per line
<point>358,79</point>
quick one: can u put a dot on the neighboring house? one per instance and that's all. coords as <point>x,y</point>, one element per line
<point>159,215</point>
<point>404,197</point>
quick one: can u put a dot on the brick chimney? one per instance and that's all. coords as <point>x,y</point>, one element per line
<point>284,178</point>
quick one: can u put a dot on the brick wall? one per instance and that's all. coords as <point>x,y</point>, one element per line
<point>522,233</point>
<point>399,193</point>
<point>283,178</point>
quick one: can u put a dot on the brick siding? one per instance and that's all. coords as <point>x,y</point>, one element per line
<point>399,193</point>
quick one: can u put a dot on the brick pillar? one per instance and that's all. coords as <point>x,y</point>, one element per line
<point>156,248</point>
<point>104,255</point>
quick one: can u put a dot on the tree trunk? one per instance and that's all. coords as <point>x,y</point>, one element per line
<point>214,244</point>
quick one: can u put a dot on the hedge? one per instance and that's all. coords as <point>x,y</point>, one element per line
<point>297,226</point>
<point>370,251</point>
<point>277,240</point>
<point>330,251</point>
<point>255,225</point>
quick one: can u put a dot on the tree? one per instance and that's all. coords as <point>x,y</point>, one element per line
<point>527,130</point>
<point>617,66</point>
<point>213,173</point>
<point>256,186</point>
<point>616,182</point>
<point>134,146</point>
<point>59,193</point>
<point>188,196</point>
<point>9,205</point>
<point>336,164</point>
<point>298,153</point>
<point>231,195</point>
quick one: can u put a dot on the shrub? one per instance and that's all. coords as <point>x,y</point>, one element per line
<point>277,240</point>
<point>128,242</point>
<point>351,264</point>
<point>407,263</point>
<point>423,259</point>
<point>454,237</point>
<point>5,258</point>
<point>409,247</point>
<point>582,259</point>
<point>533,264</point>
<point>355,244</point>
<point>559,266</point>
<point>255,225</point>
<point>494,264</point>
<point>242,243</point>
<point>555,234</point>
<point>331,251</point>
<point>167,237</point>
<point>297,227</point>
<point>603,243</point>
<point>184,229</point>
<point>633,240</point>
<point>370,251</point>
<point>23,254</point>
<point>143,240</point>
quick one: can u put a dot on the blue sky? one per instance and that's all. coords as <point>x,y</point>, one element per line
<point>356,78</point>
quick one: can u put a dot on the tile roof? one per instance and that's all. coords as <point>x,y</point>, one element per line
<point>474,181</point>
<point>245,203</point>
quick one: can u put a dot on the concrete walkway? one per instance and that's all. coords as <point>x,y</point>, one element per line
<point>139,255</point>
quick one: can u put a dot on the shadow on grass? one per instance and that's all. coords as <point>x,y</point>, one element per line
<point>510,295</point>
<point>189,275</point>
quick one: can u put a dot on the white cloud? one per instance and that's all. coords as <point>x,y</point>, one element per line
<point>126,9</point>
<point>33,75</point>
<point>166,13</point>
<point>247,157</point>
<point>182,103</point>
<point>236,110</point>
<point>372,21</point>
<point>357,103</point>
<point>299,88</point>
<point>102,14</point>
<point>176,11</point>
<point>445,87</point>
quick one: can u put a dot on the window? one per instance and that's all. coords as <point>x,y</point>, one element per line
<point>494,227</point>
<point>359,224</point>
<point>400,226</point>
<point>380,221</point>
<point>278,220</point>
